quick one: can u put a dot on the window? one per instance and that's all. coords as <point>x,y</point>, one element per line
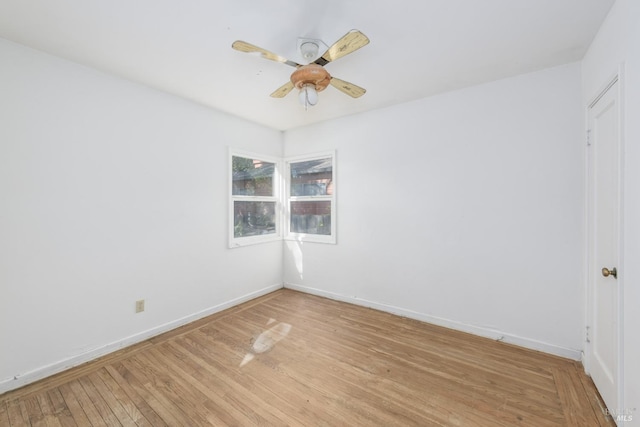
<point>308,202</point>
<point>254,199</point>
<point>310,192</point>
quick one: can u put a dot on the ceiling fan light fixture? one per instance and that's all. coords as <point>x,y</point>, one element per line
<point>308,95</point>
<point>310,79</point>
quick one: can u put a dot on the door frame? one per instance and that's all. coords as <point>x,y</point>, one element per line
<point>617,78</point>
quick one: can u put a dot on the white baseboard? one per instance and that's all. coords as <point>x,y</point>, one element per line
<point>62,365</point>
<point>476,330</point>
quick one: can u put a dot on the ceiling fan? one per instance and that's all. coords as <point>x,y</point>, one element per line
<point>313,78</point>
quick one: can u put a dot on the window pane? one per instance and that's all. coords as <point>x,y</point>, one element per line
<point>312,178</point>
<point>252,177</point>
<point>253,218</point>
<point>311,217</point>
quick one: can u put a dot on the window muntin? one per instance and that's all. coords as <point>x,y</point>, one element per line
<point>311,198</point>
<point>254,200</point>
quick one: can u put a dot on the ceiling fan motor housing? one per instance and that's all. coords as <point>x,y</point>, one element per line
<point>312,74</point>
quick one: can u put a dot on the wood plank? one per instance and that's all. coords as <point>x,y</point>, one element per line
<point>157,404</point>
<point>185,329</point>
<point>216,360</point>
<point>594,398</point>
<point>73,404</point>
<point>74,373</point>
<point>92,414</point>
<point>217,363</point>
<point>98,402</point>
<point>194,399</point>
<point>4,414</point>
<point>46,406</point>
<point>14,412</point>
<point>224,382</point>
<point>441,368</point>
<point>161,391</point>
<point>288,358</point>
<point>60,409</point>
<point>347,378</point>
<point>243,411</point>
<point>115,395</point>
<point>573,406</point>
<point>126,418</point>
<point>309,387</point>
<point>36,419</point>
<point>182,399</point>
<point>128,396</point>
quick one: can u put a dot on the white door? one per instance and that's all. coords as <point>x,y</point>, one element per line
<point>604,159</point>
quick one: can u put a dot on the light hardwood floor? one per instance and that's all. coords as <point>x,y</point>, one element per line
<point>294,359</point>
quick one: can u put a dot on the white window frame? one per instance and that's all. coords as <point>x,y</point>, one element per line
<point>319,238</point>
<point>235,242</point>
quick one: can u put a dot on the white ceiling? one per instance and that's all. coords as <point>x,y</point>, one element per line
<point>418,47</point>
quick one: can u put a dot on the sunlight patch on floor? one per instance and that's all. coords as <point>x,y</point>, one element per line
<point>267,340</point>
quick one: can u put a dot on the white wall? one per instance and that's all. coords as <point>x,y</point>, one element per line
<point>464,209</point>
<point>111,192</point>
<point>618,44</point>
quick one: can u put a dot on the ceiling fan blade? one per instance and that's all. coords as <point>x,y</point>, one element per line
<point>349,43</point>
<point>348,88</point>
<point>243,46</point>
<point>282,91</point>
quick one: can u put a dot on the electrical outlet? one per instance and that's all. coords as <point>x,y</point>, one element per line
<point>140,306</point>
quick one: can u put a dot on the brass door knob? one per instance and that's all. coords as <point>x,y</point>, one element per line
<point>606,272</point>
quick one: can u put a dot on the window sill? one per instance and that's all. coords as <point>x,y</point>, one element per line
<point>252,240</point>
